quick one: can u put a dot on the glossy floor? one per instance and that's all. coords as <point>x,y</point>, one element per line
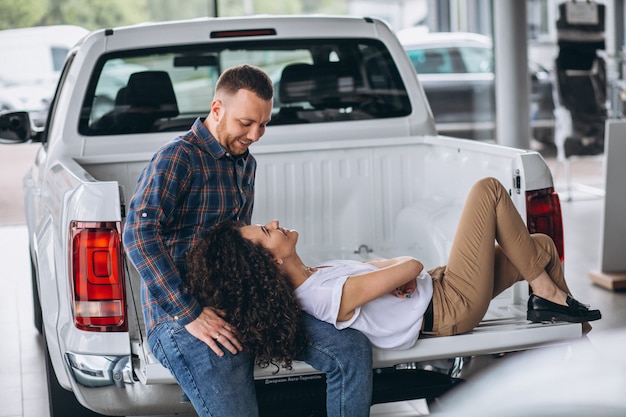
<point>22,378</point>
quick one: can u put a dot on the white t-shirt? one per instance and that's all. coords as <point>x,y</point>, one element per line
<point>389,322</point>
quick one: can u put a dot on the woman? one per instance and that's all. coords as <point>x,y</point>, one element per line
<point>392,300</point>
<point>240,279</point>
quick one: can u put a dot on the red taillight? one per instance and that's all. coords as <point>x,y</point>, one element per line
<point>97,277</point>
<point>543,210</point>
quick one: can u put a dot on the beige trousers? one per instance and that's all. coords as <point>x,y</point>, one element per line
<point>479,268</point>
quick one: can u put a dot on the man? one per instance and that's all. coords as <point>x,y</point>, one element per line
<point>192,183</point>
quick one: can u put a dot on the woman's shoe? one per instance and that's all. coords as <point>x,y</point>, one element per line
<point>540,309</point>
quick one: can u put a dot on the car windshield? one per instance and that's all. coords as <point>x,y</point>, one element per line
<point>315,81</point>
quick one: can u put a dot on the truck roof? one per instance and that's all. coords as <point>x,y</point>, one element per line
<point>217,29</point>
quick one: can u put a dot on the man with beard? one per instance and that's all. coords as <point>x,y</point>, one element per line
<point>192,183</point>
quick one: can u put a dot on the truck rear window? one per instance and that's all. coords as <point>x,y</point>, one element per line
<point>315,81</point>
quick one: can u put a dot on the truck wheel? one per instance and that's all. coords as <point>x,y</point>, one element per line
<point>37,316</point>
<point>62,403</point>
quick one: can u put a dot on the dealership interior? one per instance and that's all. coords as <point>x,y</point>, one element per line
<point>584,148</point>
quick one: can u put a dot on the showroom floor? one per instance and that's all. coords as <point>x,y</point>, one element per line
<point>22,377</point>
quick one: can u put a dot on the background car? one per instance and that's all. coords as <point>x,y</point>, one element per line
<point>32,97</point>
<point>32,59</point>
<point>456,70</point>
<point>7,102</point>
<point>585,378</point>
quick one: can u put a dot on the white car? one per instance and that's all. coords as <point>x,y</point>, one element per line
<point>456,70</point>
<point>32,59</point>
<point>587,381</point>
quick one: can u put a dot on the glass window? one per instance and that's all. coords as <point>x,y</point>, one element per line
<point>541,15</point>
<point>58,57</point>
<point>432,61</point>
<point>53,105</point>
<point>477,60</point>
<point>315,81</point>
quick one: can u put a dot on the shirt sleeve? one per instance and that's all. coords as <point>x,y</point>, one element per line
<point>322,301</point>
<point>160,185</point>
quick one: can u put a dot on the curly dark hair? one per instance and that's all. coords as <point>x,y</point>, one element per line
<point>233,274</point>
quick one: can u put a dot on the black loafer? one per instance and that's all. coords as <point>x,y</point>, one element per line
<point>540,309</point>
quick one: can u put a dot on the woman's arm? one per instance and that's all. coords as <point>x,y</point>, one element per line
<point>381,262</point>
<point>362,288</point>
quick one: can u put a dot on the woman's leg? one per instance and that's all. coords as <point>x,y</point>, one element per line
<point>470,279</point>
<point>551,281</point>
<point>504,278</point>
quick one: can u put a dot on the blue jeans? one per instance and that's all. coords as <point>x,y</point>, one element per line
<point>346,357</point>
<point>224,386</point>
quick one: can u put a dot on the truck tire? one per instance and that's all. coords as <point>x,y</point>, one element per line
<point>62,403</point>
<point>37,315</point>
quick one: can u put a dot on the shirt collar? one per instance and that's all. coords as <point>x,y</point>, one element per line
<point>209,143</point>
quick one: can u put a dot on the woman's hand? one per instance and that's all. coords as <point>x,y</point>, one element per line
<point>212,329</point>
<point>393,273</point>
<point>403,291</point>
<point>406,290</point>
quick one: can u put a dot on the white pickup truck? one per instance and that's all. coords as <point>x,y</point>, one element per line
<point>351,158</point>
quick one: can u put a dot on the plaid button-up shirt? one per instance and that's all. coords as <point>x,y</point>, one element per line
<point>190,185</point>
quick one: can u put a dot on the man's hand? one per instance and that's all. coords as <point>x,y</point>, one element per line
<point>211,328</point>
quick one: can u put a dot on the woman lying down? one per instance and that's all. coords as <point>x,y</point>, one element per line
<point>250,273</point>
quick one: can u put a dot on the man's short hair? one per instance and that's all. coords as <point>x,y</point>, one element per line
<point>247,77</point>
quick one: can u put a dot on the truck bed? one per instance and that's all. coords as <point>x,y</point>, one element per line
<point>344,221</point>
